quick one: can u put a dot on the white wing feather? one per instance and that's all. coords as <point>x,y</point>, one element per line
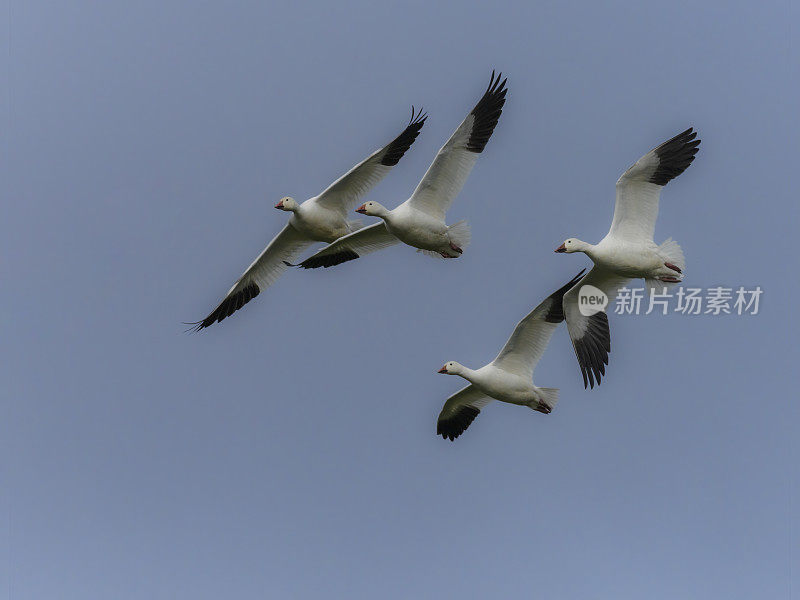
<point>639,188</point>
<point>351,246</point>
<point>344,193</point>
<point>262,273</point>
<point>530,337</point>
<point>451,167</point>
<point>590,334</point>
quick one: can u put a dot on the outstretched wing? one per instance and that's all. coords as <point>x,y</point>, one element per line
<point>262,273</point>
<point>344,193</point>
<point>589,333</point>
<point>452,165</point>
<point>527,343</point>
<point>459,411</point>
<point>639,188</point>
<point>351,246</point>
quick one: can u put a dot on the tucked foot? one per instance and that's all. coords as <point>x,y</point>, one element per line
<point>673,267</point>
<point>456,248</point>
<point>668,279</point>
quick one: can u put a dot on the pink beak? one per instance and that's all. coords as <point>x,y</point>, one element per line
<point>561,248</point>
<point>362,209</point>
<point>443,370</point>
<point>279,204</point>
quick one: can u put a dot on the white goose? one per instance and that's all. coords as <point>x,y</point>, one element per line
<point>319,219</point>
<point>628,250</point>
<point>509,376</point>
<point>420,220</point>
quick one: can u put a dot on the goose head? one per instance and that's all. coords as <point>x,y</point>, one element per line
<point>372,209</point>
<point>571,245</point>
<point>451,368</point>
<point>288,204</point>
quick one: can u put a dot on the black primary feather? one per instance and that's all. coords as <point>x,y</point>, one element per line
<point>487,112</point>
<point>555,314</point>
<point>398,147</point>
<point>675,156</point>
<point>328,260</point>
<point>454,425</point>
<point>228,306</point>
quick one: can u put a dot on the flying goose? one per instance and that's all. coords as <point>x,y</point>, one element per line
<point>322,218</point>
<point>509,376</point>
<point>420,220</point>
<point>628,250</point>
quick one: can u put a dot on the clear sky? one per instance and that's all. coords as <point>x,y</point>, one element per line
<point>290,452</point>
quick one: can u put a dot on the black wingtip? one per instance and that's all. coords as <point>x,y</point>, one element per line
<point>674,156</point>
<point>227,307</point>
<point>487,112</point>
<point>455,424</point>
<point>329,260</point>
<point>556,312</point>
<point>593,348</point>
<point>195,326</point>
<point>400,145</point>
<point>420,117</point>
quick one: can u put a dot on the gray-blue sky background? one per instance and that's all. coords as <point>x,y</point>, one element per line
<point>291,450</point>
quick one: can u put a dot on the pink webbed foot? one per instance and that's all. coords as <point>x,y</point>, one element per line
<point>456,248</point>
<point>673,267</point>
<point>668,279</point>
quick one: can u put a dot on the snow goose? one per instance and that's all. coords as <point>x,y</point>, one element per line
<point>319,219</point>
<point>509,376</point>
<point>628,250</point>
<point>420,220</point>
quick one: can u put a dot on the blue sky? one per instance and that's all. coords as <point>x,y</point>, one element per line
<point>291,452</point>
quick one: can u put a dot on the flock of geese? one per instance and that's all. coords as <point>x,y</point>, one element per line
<point>626,252</point>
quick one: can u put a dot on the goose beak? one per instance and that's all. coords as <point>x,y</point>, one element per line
<point>362,209</point>
<point>443,370</point>
<point>561,248</point>
<point>279,205</point>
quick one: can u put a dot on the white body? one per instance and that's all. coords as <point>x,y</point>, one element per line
<point>503,385</point>
<point>509,377</point>
<point>323,218</point>
<point>417,228</point>
<point>630,258</point>
<point>628,250</point>
<point>420,221</point>
<point>319,223</point>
